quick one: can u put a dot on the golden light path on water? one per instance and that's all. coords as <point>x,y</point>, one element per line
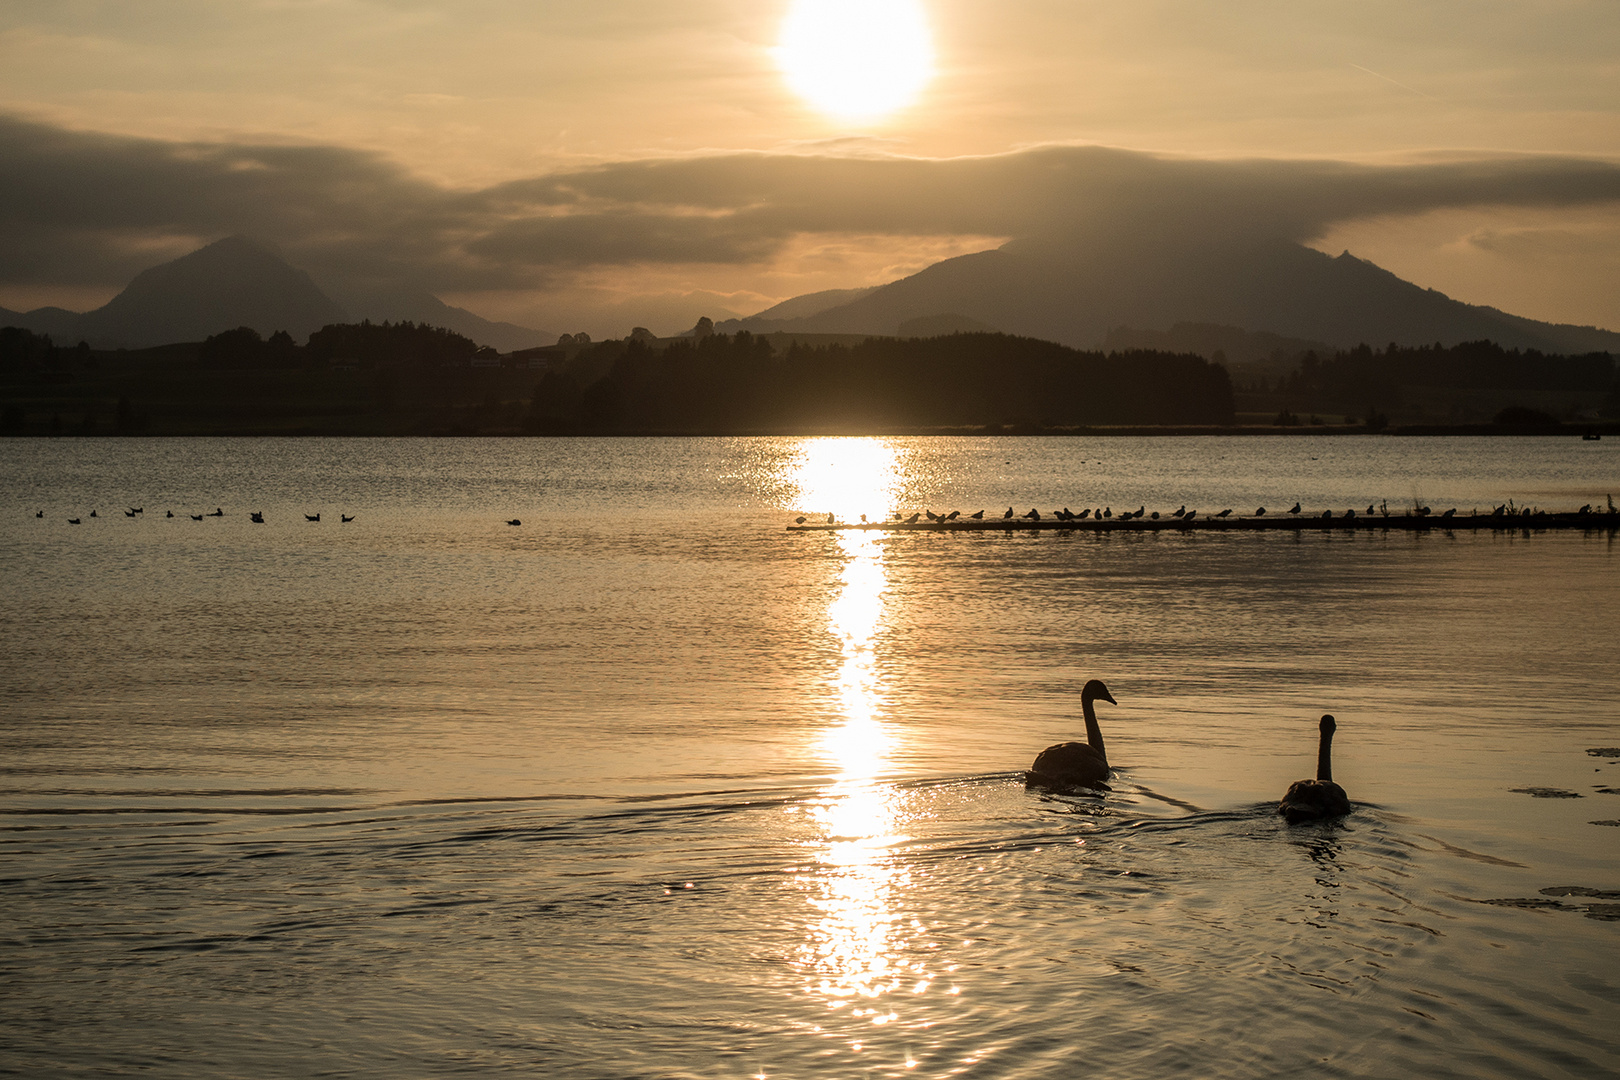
<point>853,957</point>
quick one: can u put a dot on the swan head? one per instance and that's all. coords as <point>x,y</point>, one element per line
<point>1328,726</point>
<point>1095,690</point>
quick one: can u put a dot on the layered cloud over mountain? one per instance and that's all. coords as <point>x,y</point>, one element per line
<point>86,209</point>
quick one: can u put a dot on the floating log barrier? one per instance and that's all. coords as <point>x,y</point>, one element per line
<point>1535,521</point>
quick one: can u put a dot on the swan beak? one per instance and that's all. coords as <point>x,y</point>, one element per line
<point>1109,698</point>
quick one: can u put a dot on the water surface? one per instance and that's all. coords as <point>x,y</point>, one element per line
<point>649,786</point>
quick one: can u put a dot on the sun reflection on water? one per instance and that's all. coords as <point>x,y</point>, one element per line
<point>855,953</point>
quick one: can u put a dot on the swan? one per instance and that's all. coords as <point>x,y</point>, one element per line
<point>1312,800</point>
<point>1076,764</point>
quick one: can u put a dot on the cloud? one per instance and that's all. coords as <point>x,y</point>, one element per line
<point>80,208</point>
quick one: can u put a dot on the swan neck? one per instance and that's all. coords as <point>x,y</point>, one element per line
<point>1093,732</point>
<point>1324,758</point>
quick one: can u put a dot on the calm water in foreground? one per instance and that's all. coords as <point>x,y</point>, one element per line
<point>650,787</point>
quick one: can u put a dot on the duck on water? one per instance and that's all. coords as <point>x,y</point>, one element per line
<point>1076,764</point>
<point>1315,800</point>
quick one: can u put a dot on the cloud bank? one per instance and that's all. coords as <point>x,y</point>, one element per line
<point>82,208</point>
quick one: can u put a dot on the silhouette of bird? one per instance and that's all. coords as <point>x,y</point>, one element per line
<point>196,517</point>
<point>312,517</point>
<point>1008,514</point>
<point>1085,513</point>
<point>217,512</point>
<point>1140,510</point>
<point>73,521</point>
<point>1225,513</point>
<point>1108,512</point>
<point>1350,513</point>
<point>129,513</point>
<point>931,515</point>
<point>92,513</point>
<point>1450,513</point>
<point>863,519</point>
<point>978,516</point>
<point>1076,764</point>
<point>831,520</point>
<point>257,517</point>
<point>40,514</point>
<point>799,520</point>
<point>169,514</point>
<point>345,518</point>
<point>1370,510</point>
<point>1189,515</point>
<point>1327,514</point>
<point>1260,512</point>
<point>515,521</point>
<point>1033,515</point>
<point>1313,800</point>
<point>137,509</point>
<point>1421,511</point>
<point>1154,515</point>
<point>1294,509</point>
<point>1180,512</point>
<point>912,520</point>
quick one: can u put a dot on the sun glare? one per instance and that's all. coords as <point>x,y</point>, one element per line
<point>856,59</point>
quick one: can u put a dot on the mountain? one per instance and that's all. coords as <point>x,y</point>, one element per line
<point>230,283</point>
<point>800,307</point>
<point>1077,297</point>
<point>423,307</point>
<point>236,282</point>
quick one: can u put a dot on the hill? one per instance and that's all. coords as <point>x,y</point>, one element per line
<point>1078,297</point>
<point>235,282</point>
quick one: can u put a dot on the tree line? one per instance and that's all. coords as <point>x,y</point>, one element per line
<point>726,383</point>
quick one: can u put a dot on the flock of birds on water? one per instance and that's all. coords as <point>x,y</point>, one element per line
<point>255,516</point>
<point>1073,766</point>
<point>1106,512</point>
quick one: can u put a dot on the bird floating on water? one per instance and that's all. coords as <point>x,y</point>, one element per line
<point>312,517</point>
<point>217,512</point>
<point>196,517</point>
<point>129,513</point>
<point>169,514</point>
<point>1313,800</point>
<point>1076,764</point>
<point>345,517</point>
<point>257,517</point>
<point>40,514</point>
<point>514,521</point>
<point>73,521</point>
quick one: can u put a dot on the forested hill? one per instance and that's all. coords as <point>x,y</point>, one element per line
<point>738,383</point>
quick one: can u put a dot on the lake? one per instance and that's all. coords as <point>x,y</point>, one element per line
<point>649,786</point>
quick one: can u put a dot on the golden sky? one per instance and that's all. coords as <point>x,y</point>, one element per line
<point>530,160</point>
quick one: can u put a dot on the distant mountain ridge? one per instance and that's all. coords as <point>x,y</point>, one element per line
<point>236,282</point>
<point>1281,288</point>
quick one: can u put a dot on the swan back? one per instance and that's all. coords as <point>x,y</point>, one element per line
<point>1313,800</point>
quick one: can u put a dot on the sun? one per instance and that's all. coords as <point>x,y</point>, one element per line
<point>856,60</point>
